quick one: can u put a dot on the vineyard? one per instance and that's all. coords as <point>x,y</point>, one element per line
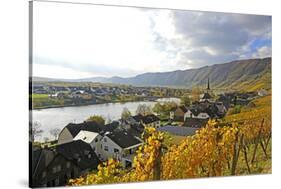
<point>239,144</point>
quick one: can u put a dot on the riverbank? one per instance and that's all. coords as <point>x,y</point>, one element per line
<point>58,118</point>
<point>96,103</point>
<point>86,104</point>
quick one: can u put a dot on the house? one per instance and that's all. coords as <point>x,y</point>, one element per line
<point>196,113</point>
<point>70,131</point>
<point>178,114</point>
<point>150,120</point>
<point>81,154</point>
<point>193,122</point>
<point>179,131</point>
<point>119,145</point>
<point>220,109</point>
<point>55,166</point>
<point>91,138</point>
<point>262,92</point>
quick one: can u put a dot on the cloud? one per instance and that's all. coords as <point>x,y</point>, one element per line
<point>262,52</point>
<point>206,38</point>
<point>123,41</point>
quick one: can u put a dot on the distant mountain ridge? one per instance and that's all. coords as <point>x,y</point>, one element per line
<point>232,74</point>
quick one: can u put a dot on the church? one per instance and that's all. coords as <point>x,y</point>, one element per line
<point>207,96</point>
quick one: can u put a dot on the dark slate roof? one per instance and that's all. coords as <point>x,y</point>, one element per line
<point>111,126</point>
<point>75,128</point>
<point>150,118</point>
<point>195,111</point>
<point>137,118</point>
<point>178,130</point>
<point>41,158</point>
<point>206,96</point>
<point>80,153</point>
<point>192,122</point>
<point>123,138</point>
<point>136,130</point>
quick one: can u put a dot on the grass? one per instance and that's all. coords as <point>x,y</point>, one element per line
<point>43,100</point>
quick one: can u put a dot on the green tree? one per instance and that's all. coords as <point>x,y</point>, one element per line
<point>185,100</point>
<point>99,119</point>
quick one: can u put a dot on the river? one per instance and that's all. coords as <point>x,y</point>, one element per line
<point>59,117</point>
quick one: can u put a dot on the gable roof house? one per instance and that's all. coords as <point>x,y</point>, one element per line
<point>90,138</point>
<point>178,114</point>
<point>119,145</point>
<point>151,121</point>
<point>69,132</point>
<point>80,153</point>
<point>55,166</point>
<point>196,113</point>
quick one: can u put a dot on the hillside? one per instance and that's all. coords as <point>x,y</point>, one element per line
<point>250,74</point>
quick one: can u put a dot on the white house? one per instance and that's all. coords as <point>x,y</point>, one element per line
<point>119,145</point>
<point>196,114</point>
<point>92,138</point>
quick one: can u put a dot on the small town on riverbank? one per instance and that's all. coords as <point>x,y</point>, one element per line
<point>79,148</point>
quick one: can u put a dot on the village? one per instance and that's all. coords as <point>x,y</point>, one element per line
<point>81,147</point>
<point>57,94</point>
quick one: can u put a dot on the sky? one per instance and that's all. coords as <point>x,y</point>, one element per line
<point>74,41</point>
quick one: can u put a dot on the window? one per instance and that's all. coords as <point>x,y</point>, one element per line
<point>105,148</point>
<point>104,140</point>
<point>58,168</point>
<point>54,169</point>
<point>96,140</point>
<point>116,150</point>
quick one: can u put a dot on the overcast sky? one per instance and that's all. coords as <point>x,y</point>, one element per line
<point>79,41</point>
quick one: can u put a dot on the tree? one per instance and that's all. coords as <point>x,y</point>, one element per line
<point>55,133</point>
<point>195,94</point>
<point>143,109</point>
<point>164,108</point>
<point>35,130</point>
<point>125,113</point>
<point>99,119</point>
<point>185,100</point>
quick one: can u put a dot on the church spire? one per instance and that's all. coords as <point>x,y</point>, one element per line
<point>208,87</point>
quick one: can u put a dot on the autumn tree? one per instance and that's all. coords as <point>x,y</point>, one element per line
<point>195,94</point>
<point>143,109</point>
<point>125,113</point>
<point>164,108</point>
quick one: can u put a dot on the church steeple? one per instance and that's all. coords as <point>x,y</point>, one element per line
<point>208,86</point>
